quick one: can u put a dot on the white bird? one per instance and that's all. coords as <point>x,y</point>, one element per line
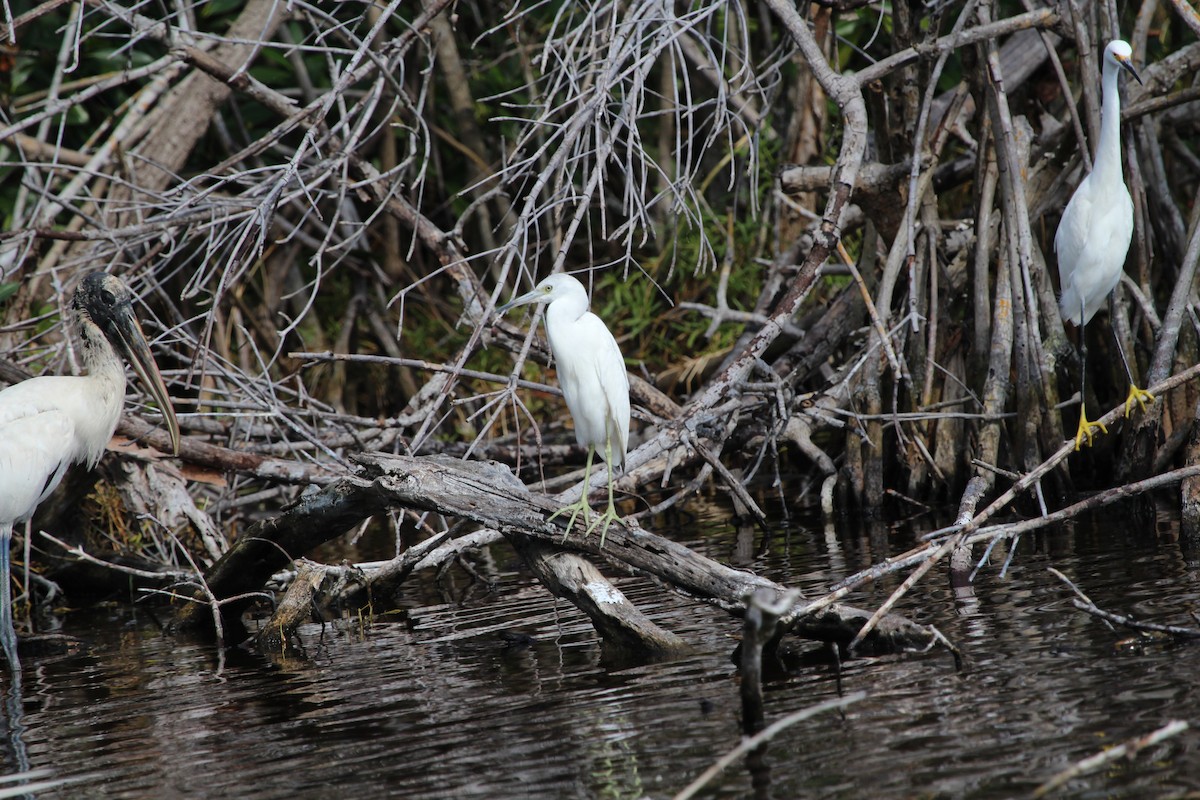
<point>591,372</point>
<point>51,422</point>
<point>1096,228</point>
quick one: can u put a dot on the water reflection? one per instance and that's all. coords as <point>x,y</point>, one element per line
<point>503,694</point>
<point>14,732</point>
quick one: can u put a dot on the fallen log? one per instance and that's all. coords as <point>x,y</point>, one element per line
<point>489,495</point>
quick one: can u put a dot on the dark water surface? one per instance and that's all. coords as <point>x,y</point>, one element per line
<point>442,701</point>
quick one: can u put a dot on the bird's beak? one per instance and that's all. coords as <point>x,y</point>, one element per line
<point>528,297</point>
<point>1125,62</point>
<point>132,343</point>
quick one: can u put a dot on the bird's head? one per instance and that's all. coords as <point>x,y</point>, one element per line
<point>1120,54</point>
<point>106,302</point>
<point>551,288</point>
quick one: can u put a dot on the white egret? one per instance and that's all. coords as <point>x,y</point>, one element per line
<point>51,422</point>
<point>1095,231</point>
<point>592,375</point>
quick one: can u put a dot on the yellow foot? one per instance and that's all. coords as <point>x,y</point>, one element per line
<point>1086,429</point>
<point>577,508</point>
<point>1139,396</point>
<point>603,521</point>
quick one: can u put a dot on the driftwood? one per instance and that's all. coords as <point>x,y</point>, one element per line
<point>294,609</point>
<point>619,623</point>
<point>489,495</point>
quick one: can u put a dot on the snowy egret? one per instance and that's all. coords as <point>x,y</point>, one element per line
<point>1095,231</point>
<point>52,422</point>
<point>592,375</point>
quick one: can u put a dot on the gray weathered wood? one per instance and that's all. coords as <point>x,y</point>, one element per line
<point>488,494</point>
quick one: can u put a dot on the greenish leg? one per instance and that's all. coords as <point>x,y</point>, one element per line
<point>582,506</point>
<point>611,515</point>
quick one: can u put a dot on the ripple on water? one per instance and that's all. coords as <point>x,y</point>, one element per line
<point>506,694</point>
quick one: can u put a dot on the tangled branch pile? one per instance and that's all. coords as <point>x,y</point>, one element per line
<point>820,235</point>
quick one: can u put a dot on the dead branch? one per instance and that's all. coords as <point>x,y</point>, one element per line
<point>489,495</point>
<point>1127,749</point>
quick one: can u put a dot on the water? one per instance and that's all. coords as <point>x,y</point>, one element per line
<point>471,692</point>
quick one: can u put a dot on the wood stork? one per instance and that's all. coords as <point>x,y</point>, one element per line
<point>51,422</point>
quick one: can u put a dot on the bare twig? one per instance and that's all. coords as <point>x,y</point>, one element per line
<point>1127,749</point>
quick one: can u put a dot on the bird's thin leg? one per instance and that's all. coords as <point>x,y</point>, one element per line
<point>1086,429</point>
<point>13,697</point>
<point>1136,393</point>
<point>610,515</point>
<point>8,635</point>
<point>582,506</point>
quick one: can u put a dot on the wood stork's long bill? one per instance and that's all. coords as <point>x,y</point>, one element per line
<point>106,303</point>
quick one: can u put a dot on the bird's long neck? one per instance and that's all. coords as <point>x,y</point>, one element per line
<point>560,315</point>
<point>568,308</point>
<point>106,374</point>
<point>1108,151</point>
<point>101,361</point>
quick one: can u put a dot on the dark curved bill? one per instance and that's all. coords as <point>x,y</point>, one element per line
<point>136,350</point>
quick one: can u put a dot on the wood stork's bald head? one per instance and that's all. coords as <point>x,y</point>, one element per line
<point>105,302</point>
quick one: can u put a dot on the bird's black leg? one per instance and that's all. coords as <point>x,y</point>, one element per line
<point>1136,393</point>
<point>1086,428</point>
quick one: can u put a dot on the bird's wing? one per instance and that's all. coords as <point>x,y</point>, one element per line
<point>36,447</point>
<point>614,380</point>
<point>34,396</point>
<point>1073,230</point>
<point>1092,241</point>
<point>1114,230</point>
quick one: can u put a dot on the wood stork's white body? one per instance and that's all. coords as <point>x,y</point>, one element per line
<point>591,372</point>
<point>49,423</point>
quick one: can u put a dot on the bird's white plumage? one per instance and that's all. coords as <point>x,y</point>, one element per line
<point>591,371</point>
<point>34,456</point>
<point>1097,225</point>
<point>1095,231</point>
<point>592,375</point>
<point>49,423</point>
<point>1091,243</point>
